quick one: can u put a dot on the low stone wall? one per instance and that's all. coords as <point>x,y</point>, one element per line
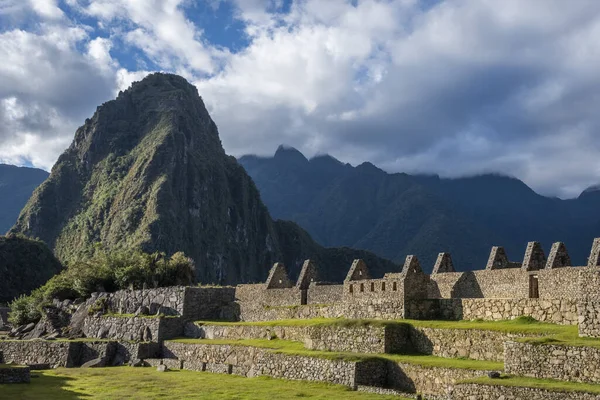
<point>589,318</point>
<point>359,339</point>
<point>488,392</point>
<point>434,381</point>
<point>249,361</point>
<point>356,339</point>
<point>578,364</point>
<point>366,310</point>
<point>456,343</point>
<point>146,329</point>
<point>39,353</point>
<point>49,354</point>
<point>555,311</point>
<point>14,374</point>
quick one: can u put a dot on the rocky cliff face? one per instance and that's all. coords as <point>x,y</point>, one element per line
<point>148,171</point>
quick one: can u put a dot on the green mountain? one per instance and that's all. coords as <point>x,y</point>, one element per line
<point>148,171</point>
<point>398,214</point>
<point>25,264</point>
<point>16,186</point>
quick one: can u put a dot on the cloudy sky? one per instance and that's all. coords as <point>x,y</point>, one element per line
<point>453,87</point>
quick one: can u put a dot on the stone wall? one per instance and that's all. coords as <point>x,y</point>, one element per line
<point>49,354</point>
<point>508,283</point>
<point>559,283</point>
<point>14,374</point>
<point>555,311</point>
<point>38,353</point>
<point>319,293</point>
<point>193,303</point>
<point>374,291</point>
<point>248,361</point>
<point>589,283</point>
<point>458,343</point>
<point>209,303</point>
<point>578,364</point>
<point>435,381</point>
<point>167,300</point>
<point>357,339</point>
<point>589,318</point>
<point>145,329</point>
<point>488,392</point>
<point>371,310</point>
<point>257,295</point>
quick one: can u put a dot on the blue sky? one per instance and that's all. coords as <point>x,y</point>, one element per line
<point>453,87</point>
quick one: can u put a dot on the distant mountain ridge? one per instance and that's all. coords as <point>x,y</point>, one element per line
<point>147,171</point>
<point>398,214</point>
<point>16,186</point>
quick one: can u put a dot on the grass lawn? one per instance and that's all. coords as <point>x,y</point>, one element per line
<point>563,339</point>
<point>147,383</point>
<point>548,384</point>
<point>519,325</point>
<point>297,348</point>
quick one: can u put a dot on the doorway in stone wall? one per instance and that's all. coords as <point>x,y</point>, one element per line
<point>534,291</point>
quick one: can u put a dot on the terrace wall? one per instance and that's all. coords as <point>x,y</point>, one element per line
<point>486,392</point>
<point>248,361</point>
<point>578,364</point>
<point>146,329</point>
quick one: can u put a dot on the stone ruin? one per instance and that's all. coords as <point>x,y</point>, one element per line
<point>136,327</point>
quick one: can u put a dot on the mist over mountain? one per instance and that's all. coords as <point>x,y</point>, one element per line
<point>147,171</point>
<point>398,214</point>
<point>16,186</point>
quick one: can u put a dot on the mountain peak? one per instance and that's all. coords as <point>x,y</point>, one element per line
<point>591,191</point>
<point>289,153</point>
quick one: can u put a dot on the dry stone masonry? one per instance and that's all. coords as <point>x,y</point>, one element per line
<point>136,326</point>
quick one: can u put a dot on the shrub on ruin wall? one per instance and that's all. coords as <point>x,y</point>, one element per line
<point>105,271</point>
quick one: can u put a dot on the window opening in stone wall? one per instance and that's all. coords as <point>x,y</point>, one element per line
<point>359,273</point>
<point>372,286</point>
<point>362,287</point>
<point>534,291</point>
<point>280,281</point>
<point>394,286</point>
<point>383,286</point>
<point>351,289</point>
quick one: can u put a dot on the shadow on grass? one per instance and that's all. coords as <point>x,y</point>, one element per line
<point>42,387</point>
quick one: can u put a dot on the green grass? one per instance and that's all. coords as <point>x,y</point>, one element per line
<point>147,383</point>
<point>297,348</point>
<point>522,325</point>
<point>547,384</point>
<point>11,366</point>
<point>563,339</point>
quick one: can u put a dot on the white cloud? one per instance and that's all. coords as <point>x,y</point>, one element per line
<point>454,87</point>
<point>161,30</point>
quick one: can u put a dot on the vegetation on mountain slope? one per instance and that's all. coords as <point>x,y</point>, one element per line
<point>25,264</point>
<point>147,172</point>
